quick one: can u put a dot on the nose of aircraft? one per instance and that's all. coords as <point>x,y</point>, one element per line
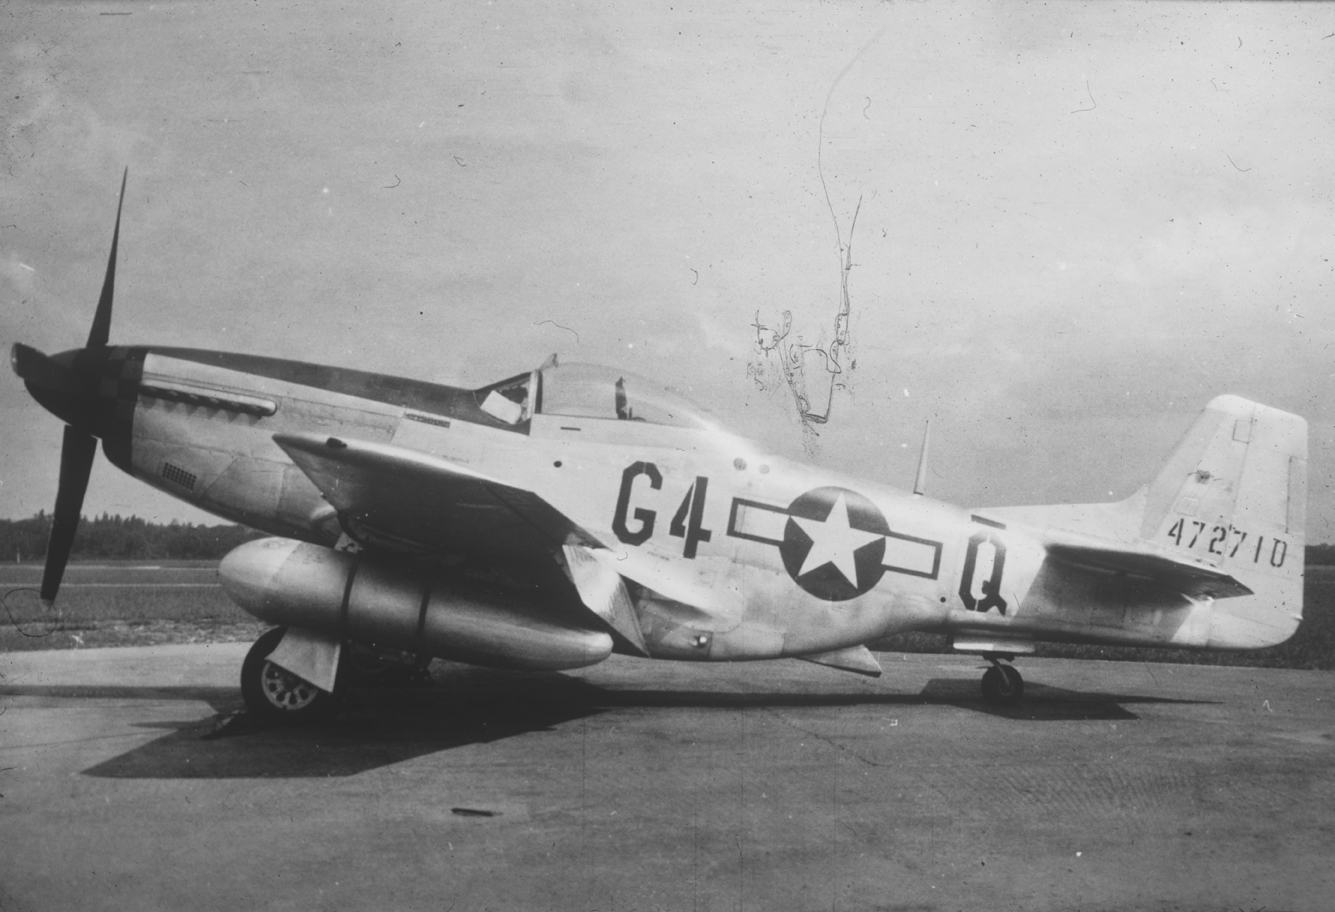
<point>66,384</point>
<point>76,386</point>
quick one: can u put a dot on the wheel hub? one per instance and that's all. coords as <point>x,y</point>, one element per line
<point>285,690</point>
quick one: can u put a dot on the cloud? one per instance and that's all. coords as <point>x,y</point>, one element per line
<point>1221,246</point>
<point>19,278</point>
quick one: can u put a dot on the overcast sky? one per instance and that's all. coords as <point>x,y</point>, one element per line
<point>1078,222</point>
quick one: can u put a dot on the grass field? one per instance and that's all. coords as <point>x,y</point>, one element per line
<point>136,604</point>
<point>122,604</point>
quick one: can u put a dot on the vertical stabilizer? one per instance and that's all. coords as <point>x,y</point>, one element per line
<point>1234,496</point>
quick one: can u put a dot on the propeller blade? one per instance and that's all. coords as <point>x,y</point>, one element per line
<point>76,463</point>
<point>42,370</point>
<point>101,331</point>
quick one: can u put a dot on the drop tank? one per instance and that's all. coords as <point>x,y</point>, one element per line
<point>297,584</point>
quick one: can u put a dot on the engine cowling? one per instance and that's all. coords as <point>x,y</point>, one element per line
<point>297,584</point>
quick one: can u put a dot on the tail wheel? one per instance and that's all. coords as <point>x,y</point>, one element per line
<point>1003,685</point>
<point>275,695</point>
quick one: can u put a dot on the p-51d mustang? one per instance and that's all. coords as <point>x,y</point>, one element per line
<point>552,518</point>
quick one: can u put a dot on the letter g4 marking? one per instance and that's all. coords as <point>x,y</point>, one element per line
<point>643,516</point>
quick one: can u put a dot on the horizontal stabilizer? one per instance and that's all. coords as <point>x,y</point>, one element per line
<point>857,659</point>
<point>1190,579</point>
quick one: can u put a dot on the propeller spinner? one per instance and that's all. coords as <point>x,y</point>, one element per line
<point>67,385</point>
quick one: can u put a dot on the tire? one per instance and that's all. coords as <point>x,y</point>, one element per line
<point>1003,685</point>
<point>275,696</point>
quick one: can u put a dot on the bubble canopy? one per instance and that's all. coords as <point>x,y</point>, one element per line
<point>594,391</point>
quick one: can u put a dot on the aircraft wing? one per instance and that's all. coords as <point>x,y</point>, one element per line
<point>1189,578</point>
<point>416,501</point>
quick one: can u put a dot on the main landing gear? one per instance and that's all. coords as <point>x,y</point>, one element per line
<point>1002,684</point>
<point>274,695</point>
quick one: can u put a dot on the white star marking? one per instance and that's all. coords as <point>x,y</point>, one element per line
<point>833,542</point>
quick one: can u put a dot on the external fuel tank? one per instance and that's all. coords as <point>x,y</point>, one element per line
<point>297,584</point>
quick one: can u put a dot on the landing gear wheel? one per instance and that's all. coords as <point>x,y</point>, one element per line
<point>1002,685</point>
<point>276,696</point>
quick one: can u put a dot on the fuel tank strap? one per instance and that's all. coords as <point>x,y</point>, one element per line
<point>421,611</point>
<point>347,596</point>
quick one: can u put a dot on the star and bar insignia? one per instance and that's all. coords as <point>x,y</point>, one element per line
<point>834,542</point>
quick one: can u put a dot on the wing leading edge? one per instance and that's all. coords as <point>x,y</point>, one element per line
<point>416,499</point>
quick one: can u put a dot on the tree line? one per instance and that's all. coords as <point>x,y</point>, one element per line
<point>108,537</point>
<point>1321,554</point>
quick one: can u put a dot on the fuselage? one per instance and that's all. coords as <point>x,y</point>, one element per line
<point>735,552</point>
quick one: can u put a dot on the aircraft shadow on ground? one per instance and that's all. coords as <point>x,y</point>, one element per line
<point>1042,702</point>
<point>382,726</point>
<point>376,727</point>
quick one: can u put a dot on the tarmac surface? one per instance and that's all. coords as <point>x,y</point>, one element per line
<point>643,785</point>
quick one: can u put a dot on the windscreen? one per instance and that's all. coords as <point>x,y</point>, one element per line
<point>593,391</point>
